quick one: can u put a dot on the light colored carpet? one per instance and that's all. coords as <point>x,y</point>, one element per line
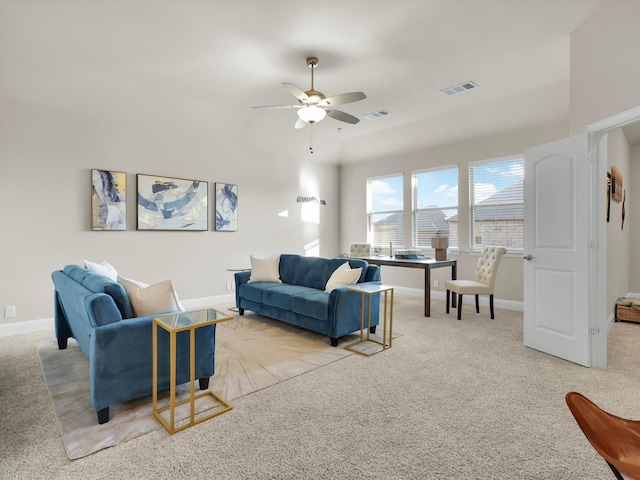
<point>462,400</point>
<point>252,353</point>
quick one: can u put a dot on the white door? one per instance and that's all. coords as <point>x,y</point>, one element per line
<point>556,249</point>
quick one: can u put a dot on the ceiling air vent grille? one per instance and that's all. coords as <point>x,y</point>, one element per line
<point>377,114</point>
<point>463,87</point>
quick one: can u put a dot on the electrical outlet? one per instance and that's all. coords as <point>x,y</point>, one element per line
<point>233,285</point>
<point>436,284</point>
<point>228,286</point>
<point>10,312</point>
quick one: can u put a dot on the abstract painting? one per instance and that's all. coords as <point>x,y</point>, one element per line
<point>172,203</point>
<point>108,200</point>
<point>226,207</point>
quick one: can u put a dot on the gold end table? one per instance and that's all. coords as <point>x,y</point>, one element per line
<point>173,324</point>
<point>369,290</point>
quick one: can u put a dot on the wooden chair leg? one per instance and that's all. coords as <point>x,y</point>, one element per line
<point>459,306</point>
<point>477,304</point>
<point>448,295</point>
<point>491,306</point>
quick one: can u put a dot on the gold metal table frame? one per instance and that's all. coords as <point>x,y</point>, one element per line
<point>186,321</point>
<point>369,290</point>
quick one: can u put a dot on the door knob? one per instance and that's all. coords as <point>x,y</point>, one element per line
<point>528,257</point>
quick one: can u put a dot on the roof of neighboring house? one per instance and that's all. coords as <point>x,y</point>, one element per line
<point>496,208</point>
<point>433,218</point>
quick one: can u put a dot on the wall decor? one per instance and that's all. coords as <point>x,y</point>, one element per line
<point>166,203</point>
<point>616,184</point>
<point>608,197</point>
<point>108,200</point>
<point>226,207</point>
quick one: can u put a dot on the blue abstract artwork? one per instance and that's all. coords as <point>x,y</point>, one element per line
<point>226,207</point>
<point>108,200</point>
<point>172,203</point>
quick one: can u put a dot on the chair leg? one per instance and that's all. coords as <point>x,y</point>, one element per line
<point>477,304</point>
<point>491,306</point>
<point>448,295</point>
<point>615,471</point>
<point>459,306</point>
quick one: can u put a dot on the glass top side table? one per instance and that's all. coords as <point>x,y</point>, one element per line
<point>184,321</point>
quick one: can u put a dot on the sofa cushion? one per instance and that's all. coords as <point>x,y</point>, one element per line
<point>288,267</point>
<point>98,283</point>
<point>153,299</point>
<point>104,268</point>
<point>280,295</point>
<point>312,303</point>
<point>334,263</point>
<point>312,272</point>
<point>343,276</point>
<point>254,291</point>
<point>265,269</point>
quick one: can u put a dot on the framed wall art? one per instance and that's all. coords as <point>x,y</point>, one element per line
<point>226,207</point>
<point>108,200</point>
<point>166,203</point>
<point>616,184</point>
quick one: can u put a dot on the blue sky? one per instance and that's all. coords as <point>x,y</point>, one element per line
<point>439,188</point>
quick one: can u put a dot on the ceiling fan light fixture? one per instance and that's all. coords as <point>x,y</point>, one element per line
<point>311,114</point>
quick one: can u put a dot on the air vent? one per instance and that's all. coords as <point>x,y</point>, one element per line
<point>463,87</point>
<point>377,114</point>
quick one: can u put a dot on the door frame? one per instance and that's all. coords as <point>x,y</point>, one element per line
<point>599,317</point>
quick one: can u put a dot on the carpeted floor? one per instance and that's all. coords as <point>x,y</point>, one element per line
<point>252,353</point>
<point>451,399</point>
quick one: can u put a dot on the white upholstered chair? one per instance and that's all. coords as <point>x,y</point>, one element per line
<point>483,281</point>
<point>359,250</point>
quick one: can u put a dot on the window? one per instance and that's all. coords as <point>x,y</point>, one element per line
<point>496,197</point>
<point>384,211</point>
<point>434,196</point>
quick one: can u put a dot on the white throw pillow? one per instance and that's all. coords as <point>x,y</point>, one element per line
<point>103,268</point>
<point>153,299</point>
<point>342,276</point>
<point>265,269</point>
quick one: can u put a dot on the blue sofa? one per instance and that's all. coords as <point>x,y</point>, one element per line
<point>301,300</point>
<point>96,312</point>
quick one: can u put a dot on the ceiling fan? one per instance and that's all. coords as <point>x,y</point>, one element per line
<point>314,105</point>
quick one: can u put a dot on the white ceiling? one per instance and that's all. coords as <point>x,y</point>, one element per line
<point>208,62</point>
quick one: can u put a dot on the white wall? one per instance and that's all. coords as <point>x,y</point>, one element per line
<point>632,212</point>
<point>605,72</point>
<point>618,238</point>
<point>46,156</point>
<point>353,208</point>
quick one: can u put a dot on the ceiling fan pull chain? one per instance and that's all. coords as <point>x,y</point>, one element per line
<point>311,139</point>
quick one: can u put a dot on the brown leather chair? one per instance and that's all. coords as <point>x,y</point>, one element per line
<point>616,439</point>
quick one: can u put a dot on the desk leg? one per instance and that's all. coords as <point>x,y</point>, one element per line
<point>427,291</point>
<point>454,276</point>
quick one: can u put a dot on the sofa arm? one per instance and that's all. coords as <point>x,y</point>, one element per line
<point>121,359</point>
<point>240,278</point>
<point>345,310</point>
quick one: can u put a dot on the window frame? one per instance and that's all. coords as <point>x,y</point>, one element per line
<point>370,212</point>
<point>477,247</point>
<point>414,237</point>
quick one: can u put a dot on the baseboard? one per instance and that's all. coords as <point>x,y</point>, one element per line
<point>484,299</point>
<point>30,326</point>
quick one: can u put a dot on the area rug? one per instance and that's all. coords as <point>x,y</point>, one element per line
<point>252,353</point>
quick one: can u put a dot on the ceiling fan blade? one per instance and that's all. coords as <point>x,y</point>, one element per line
<point>342,99</point>
<point>278,106</point>
<point>300,123</point>
<point>342,116</point>
<point>295,91</point>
